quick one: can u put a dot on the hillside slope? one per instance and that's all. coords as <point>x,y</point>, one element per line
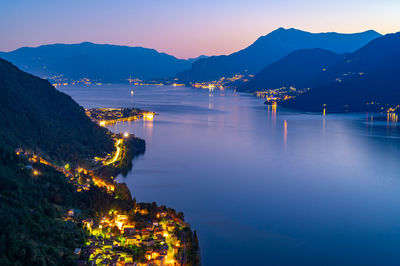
<point>296,69</point>
<point>369,75</point>
<point>35,115</point>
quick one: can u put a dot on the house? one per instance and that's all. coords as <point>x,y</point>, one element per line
<point>120,263</point>
<point>128,230</point>
<point>128,259</point>
<point>164,252</point>
<point>159,260</point>
<point>145,234</point>
<point>164,249</point>
<point>73,212</point>
<point>148,255</point>
<point>170,227</point>
<point>160,238</point>
<point>88,223</point>
<point>162,213</point>
<point>149,227</point>
<point>116,243</point>
<point>129,225</point>
<point>155,222</point>
<point>98,259</point>
<point>158,231</point>
<point>155,254</point>
<point>132,240</point>
<point>122,217</point>
<point>18,151</point>
<point>77,251</point>
<point>148,242</point>
<point>144,212</point>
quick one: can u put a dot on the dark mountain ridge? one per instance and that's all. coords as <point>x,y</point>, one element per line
<point>296,69</point>
<point>270,48</point>
<point>368,79</point>
<point>103,62</point>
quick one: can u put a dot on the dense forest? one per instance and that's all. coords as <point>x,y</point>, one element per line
<point>35,115</point>
<point>31,209</point>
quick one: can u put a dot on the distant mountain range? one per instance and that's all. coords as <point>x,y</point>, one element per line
<point>107,63</point>
<point>270,48</point>
<point>367,79</point>
<point>113,63</point>
<point>298,69</point>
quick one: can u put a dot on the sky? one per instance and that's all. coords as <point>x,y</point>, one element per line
<point>184,28</point>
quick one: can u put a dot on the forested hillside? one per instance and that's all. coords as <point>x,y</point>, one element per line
<point>35,115</point>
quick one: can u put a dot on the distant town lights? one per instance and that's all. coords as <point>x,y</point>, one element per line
<point>126,134</point>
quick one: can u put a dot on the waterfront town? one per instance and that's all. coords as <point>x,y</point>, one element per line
<point>280,94</point>
<point>231,82</point>
<point>61,80</point>
<point>224,82</point>
<point>142,234</point>
<point>107,116</point>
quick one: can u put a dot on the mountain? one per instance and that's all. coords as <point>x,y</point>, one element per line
<point>34,115</point>
<point>368,79</point>
<point>296,69</point>
<point>270,48</point>
<point>107,63</point>
<point>192,60</point>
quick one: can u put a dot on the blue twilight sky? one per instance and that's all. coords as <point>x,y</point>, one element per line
<point>184,28</point>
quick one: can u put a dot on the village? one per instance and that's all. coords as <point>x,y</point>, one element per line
<point>146,234</point>
<point>280,94</point>
<point>116,239</point>
<point>223,82</point>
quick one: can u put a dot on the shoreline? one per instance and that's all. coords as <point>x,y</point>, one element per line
<point>118,229</point>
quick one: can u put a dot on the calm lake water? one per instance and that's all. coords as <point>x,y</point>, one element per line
<point>264,187</point>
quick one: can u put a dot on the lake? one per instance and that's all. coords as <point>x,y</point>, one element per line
<point>264,186</point>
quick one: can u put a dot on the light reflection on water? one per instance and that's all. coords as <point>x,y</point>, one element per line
<point>265,185</point>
